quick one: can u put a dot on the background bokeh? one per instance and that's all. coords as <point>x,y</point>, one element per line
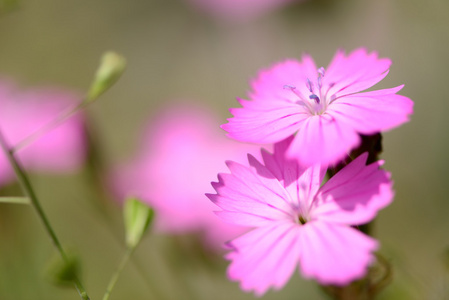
<point>176,52</point>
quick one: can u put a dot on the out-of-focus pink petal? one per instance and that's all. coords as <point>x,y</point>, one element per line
<point>182,151</point>
<point>237,10</point>
<point>334,254</point>
<point>355,194</point>
<point>62,149</point>
<point>323,139</point>
<point>370,114</point>
<point>265,257</point>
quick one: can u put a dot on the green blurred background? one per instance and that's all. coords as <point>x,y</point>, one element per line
<point>176,53</point>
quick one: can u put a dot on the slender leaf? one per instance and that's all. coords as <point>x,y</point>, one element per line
<point>15,200</point>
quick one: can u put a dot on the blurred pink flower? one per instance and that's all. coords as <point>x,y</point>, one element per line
<point>323,108</point>
<point>182,150</point>
<point>22,113</point>
<point>297,221</point>
<point>238,9</point>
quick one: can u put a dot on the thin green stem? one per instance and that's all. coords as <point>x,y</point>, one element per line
<point>47,127</point>
<point>101,204</point>
<point>117,273</point>
<point>111,68</point>
<point>29,191</point>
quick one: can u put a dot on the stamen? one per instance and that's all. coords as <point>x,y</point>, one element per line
<point>295,91</point>
<point>332,99</point>
<point>321,71</point>
<point>319,82</point>
<point>317,101</point>
<point>289,87</point>
<point>309,85</point>
<point>315,97</point>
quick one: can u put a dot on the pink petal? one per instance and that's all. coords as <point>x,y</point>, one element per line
<point>300,182</point>
<point>61,149</point>
<point>372,112</point>
<point>334,254</point>
<point>182,150</point>
<point>356,72</point>
<point>264,123</point>
<point>281,106</point>
<point>245,218</point>
<point>354,195</point>
<point>237,10</point>
<point>273,114</point>
<point>276,162</point>
<point>265,257</point>
<point>383,92</point>
<point>322,139</point>
<point>256,199</point>
<point>269,84</point>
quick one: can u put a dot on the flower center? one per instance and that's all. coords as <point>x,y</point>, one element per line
<point>302,220</point>
<point>316,100</point>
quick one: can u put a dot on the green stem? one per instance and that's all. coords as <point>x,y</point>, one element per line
<point>47,127</point>
<point>100,203</point>
<point>29,191</point>
<point>117,272</point>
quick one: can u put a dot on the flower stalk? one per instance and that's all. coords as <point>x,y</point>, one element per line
<point>117,273</point>
<point>29,192</point>
<point>48,127</point>
<point>94,171</point>
<point>137,218</point>
<point>111,67</point>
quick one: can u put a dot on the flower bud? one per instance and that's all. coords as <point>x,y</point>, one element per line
<point>63,272</point>
<point>138,217</point>
<point>111,68</point>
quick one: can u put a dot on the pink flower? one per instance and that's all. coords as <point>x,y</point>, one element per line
<point>323,108</point>
<point>238,9</point>
<point>181,153</point>
<point>62,149</point>
<point>297,222</point>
